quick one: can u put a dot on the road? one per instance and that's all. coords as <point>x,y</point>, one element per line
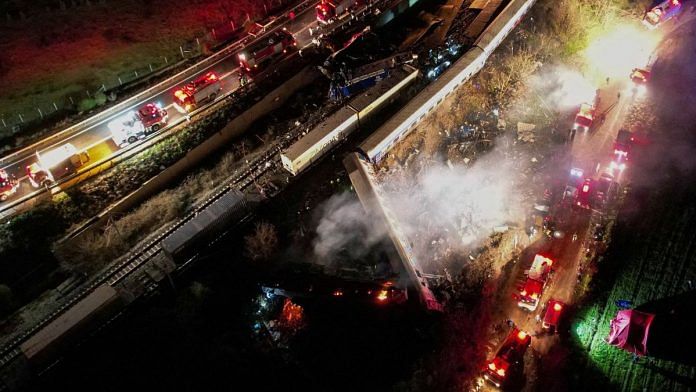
<point>592,152</point>
<point>94,136</point>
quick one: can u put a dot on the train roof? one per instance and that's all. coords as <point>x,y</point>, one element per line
<point>52,333</point>
<point>233,203</point>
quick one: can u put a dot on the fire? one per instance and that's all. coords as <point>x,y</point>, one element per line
<point>383,295</point>
<point>292,315</point>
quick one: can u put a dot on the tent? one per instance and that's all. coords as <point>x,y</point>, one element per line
<point>629,331</point>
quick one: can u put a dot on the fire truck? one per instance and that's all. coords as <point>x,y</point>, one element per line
<point>554,309</point>
<point>586,114</point>
<point>55,164</point>
<point>662,12</point>
<point>252,58</point>
<point>331,10</point>
<point>575,179</point>
<point>584,117</point>
<point>137,124</point>
<point>508,358</point>
<point>622,145</point>
<point>8,185</point>
<point>201,90</point>
<point>537,278</point>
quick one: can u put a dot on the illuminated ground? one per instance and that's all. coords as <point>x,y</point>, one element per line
<point>652,257</point>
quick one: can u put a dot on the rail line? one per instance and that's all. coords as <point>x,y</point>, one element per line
<point>115,274</point>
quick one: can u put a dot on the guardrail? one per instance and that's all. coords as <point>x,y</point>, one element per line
<point>137,147</point>
<point>201,66</point>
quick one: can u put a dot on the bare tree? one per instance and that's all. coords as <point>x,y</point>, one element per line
<point>263,242</point>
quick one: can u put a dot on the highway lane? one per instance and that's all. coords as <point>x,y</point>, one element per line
<point>96,139</point>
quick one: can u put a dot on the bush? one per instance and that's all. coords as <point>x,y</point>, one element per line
<point>263,243</point>
<point>86,105</point>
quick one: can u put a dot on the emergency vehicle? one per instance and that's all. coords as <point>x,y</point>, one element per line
<point>252,58</point>
<point>661,13</point>
<point>639,76</point>
<point>508,358</point>
<point>584,117</point>
<point>554,310</point>
<point>622,145</point>
<point>605,189</point>
<point>537,278</point>
<point>55,164</point>
<point>330,10</point>
<point>8,185</point>
<point>137,124</point>
<point>583,198</point>
<point>204,89</point>
<point>575,179</point>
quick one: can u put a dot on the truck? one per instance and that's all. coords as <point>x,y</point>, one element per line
<point>661,13</point>
<point>622,145</point>
<point>605,189</point>
<point>330,10</point>
<point>554,310</point>
<point>508,358</point>
<point>575,179</point>
<point>254,57</point>
<point>55,164</point>
<point>201,90</point>
<point>583,197</point>
<point>537,278</point>
<point>8,185</point>
<point>584,117</point>
<point>137,124</point>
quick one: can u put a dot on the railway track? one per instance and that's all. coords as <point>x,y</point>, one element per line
<point>146,252</point>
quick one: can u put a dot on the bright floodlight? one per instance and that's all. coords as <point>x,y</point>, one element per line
<point>616,52</point>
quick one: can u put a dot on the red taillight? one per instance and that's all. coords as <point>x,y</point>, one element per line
<point>585,188</point>
<point>522,335</point>
<point>523,292</point>
<point>501,372</point>
<point>382,295</point>
<point>491,366</point>
<point>211,76</point>
<point>557,307</point>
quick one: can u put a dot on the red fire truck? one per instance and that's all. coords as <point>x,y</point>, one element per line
<point>554,310</point>
<point>508,358</point>
<point>53,165</point>
<point>537,278</point>
<point>252,58</point>
<point>330,10</point>
<point>8,186</point>
<point>201,90</point>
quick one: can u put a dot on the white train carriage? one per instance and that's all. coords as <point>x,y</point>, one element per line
<point>402,123</point>
<point>342,123</point>
<point>508,19</point>
<point>378,144</point>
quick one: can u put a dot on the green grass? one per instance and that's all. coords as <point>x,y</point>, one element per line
<point>93,45</point>
<point>651,260</point>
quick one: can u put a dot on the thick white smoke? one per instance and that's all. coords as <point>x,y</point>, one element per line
<point>345,228</point>
<point>451,208</point>
<point>563,88</point>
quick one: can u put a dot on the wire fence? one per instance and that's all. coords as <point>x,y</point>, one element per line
<point>44,113</point>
